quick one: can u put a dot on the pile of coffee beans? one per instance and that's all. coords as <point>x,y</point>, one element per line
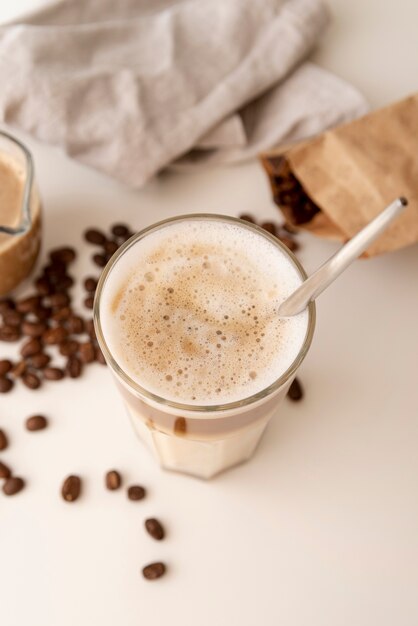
<point>45,323</point>
<point>288,193</point>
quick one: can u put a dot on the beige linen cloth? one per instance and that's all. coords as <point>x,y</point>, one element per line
<point>130,86</point>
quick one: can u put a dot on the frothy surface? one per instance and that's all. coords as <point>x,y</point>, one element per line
<point>190,312</point>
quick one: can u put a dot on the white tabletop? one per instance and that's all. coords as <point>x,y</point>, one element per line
<point>320,528</point>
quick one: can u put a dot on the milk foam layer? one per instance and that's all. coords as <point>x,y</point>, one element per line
<point>190,312</point>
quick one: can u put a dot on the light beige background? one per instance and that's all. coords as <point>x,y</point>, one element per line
<point>320,529</point>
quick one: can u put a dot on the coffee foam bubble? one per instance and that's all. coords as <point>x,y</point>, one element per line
<point>190,312</point>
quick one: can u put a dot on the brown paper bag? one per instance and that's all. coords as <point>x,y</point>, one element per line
<point>334,184</point>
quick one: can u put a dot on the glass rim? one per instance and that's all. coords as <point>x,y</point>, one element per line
<point>25,208</point>
<point>144,393</point>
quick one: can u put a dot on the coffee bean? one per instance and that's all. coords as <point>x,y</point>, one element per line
<point>5,366</point>
<point>288,228</point>
<point>6,304</point>
<point>87,352</point>
<point>3,440</point>
<point>71,488</point>
<point>247,218</point>
<point>55,271</point>
<point>28,305</point>
<point>19,369</point>
<point>31,380</point>
<point>60,315</point>
<point>6,384</point>
<point>270,227</point>
<point>90,330</point>
<point>135,492</point>
<point>154,528</point>
<point>154,571</point>
<point>31,347</point>
<point>13,485</point>
<point>67,348</point>
<point>12,318</point>
<point>90,284</point>
<point>33,329</point>
<point>63,284</point>
<point>10,333</point>
<point>74,367</point>
<point>43,286</point>
<point>99,259</point>
<point>89,302</point>
<point>42,313</point>
<point>290,243</point>
<point>55,336</point>
<point>100,357</point>
<point>53,373</point>
<point>75,325</point>
<point>39,361</point>
<point>94,236</point>
<point>110,247</point>
<point>64,255</point>
<point>36,422</point>
<point>58,300</point>
<point>113,480</point>
<point>295,392</point>
<point>120,230</point>
<point>5,471</point>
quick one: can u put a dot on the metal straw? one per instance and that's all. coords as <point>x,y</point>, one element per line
<point>331,269</point>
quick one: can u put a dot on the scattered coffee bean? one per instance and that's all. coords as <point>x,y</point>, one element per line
<point>3,440</point>
<point>154,528</point>
<point>42,313</point>
<point>69,347</point>
<point>295,392</point>
<point>73,367</point>
<point>6,304</point>
<point>90,284</point>
<point>5,471</point>
<point>154,571</point>
<point>64,255</point>
<point>12,318</point>
<point>58,300</point>
<point>19,369</point>
<point>61,315</point>
<point>5,366</point>
<point>10,333</point>
<point>99,259</point>
<point>36,422</point>
<point>90,329</point>
<point>71,488</point>
<point>113,480</point>
<point>247,218</point>
<point>39,361</point>
<point>32,381</point>
<point>110,247</point>
<point>55,336</point>
<point>89,302</point>
<point>270,227</point>
<point>31,347</point>
<point>33,329</point>
<point>28,305</point>
<point>290,243</point>
<point>75,325</point>
<point>120,230</point>
<point>43,286</point>
<point>6,384</point>
<point>63,284</point>
<point>94,236</point>
<point>135,492</point>
<point>13,485</point>
<point>100,357</point>
<point>53,373</point>
<point>87,352</point>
